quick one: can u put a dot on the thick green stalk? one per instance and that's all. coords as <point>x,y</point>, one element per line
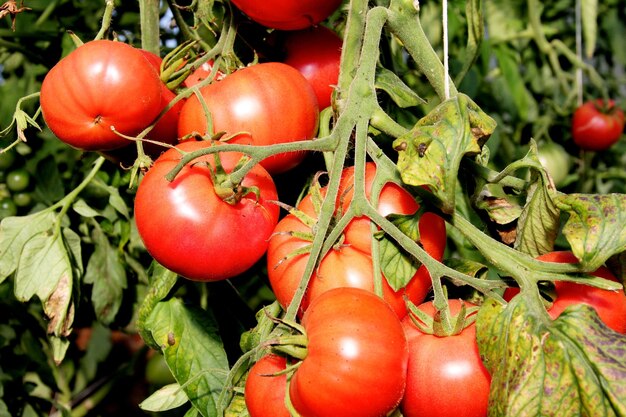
<point>149,16</point>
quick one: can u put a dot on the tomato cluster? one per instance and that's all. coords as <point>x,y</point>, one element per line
<point>16,185</point>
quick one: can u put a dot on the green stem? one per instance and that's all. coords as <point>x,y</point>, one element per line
<point>149,16</point>
<point>109,6</point>
<point>405,24</point>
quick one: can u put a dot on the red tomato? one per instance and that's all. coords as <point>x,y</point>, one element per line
<point>597,125</point>
<point>350,264</point>
<point>201,73</point>
<point>316,53</point>
<point>356,359</point>
<point>190,230</point>
<point>610,305</point>
<point>445,377</point>
<point>166,129</point>
<point>99,85</point>
<point>265,392</point>
<point>288,14</point>
<point>264,104</point>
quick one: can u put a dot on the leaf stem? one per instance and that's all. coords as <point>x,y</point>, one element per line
<point>109,6</point>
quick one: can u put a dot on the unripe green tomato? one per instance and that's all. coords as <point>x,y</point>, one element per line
<point>7,208</point>
<point>157,372</point>
<point>555,160</point>
<point>18,180</point>
<point>6,160</point>
<point>23,199</point>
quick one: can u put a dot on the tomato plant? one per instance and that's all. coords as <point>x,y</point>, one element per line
<point>192,230</point>
<point>75,108</point>
<point>597,125</point>
<point>316,53</point>
<point>356,360</point>
<point>266,387</point>
<point>350,263</point>
<point>243,105</point>
<point>288,14</point>
<point>446,376</point>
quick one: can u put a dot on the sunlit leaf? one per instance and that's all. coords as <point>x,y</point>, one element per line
<point>595,227</point>
<point>572,366</point>
<point>193,351</point>
<point>431,152</point>
<point>166,398</point>
<point>589,15</point>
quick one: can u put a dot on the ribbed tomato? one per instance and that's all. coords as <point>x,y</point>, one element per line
<point>263,104</point>
<point>190,230</point>
<point>99,85</point>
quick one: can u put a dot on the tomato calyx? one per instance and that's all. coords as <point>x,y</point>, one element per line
<point>229,192</point>
<point>442,323</point>
<point>293,345</point>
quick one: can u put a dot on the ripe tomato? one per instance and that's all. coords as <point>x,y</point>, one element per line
<point>190,230</point>
<point>350,263</point>
<point>265,392</point>
<point>99,85</point>
<point>356,359</point>
<point>166,129</point>
<point>597,125</point>
<point>610,305</point>
<point>263,104</point>
<point>202,72</point>
<point>288,14</point>
<point>445,377</point>
<point>316,53</point>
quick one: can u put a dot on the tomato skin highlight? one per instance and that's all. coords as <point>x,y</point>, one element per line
<point>263,104</point>
<point>357,357</point>
<point>350,264</point>
<point>287,14</point>
<point>187,228</point>
<point>316,53</point>
<point>100,84</point>
<point>597,125</point>
<point>445,377</point>
<point>265,393</point>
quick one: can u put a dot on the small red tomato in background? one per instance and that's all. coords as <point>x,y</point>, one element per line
<point>316,53</point>
<point>597,125</point>
<point>166,129</point>
<point>190,230</point>
<point>264,392</point>
<point>98,85</point>
<point>445,377</point>
<point>263,104</point>
<point>356,360</point>
<point>288,14</point>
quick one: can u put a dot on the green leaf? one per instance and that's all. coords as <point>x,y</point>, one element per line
<point>431,152</point>
<point>82,208</point>
<point>589,15</point>
<point>525,104</point>
<point>397,266</point>
<point>237,407</point>
<point>400,93</point>
<point>166,398</point>
<point>106,272</point>
<point>501,207</point>
<point>572,366</point>
<point>595,227</point>
<point>539,223</point>
<point>118,202</point>
<point>475,34</point>
<point>193,350</point>
<point>15,232</point>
